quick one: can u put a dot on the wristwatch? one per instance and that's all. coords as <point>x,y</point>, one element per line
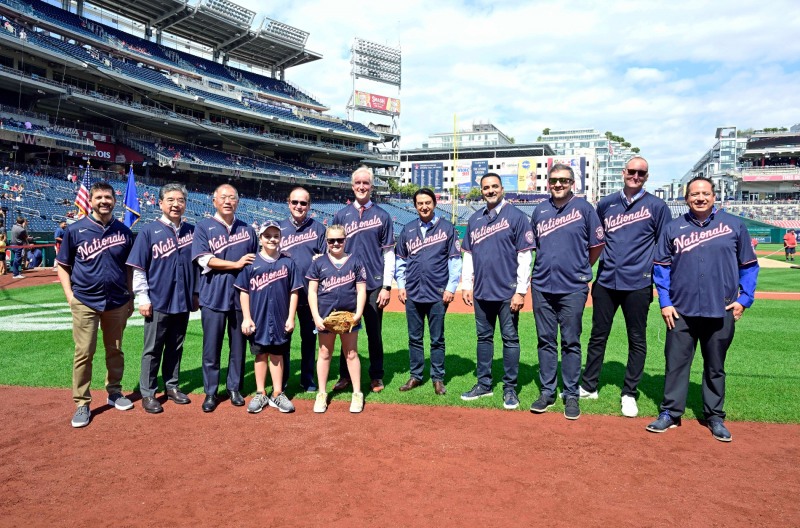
<point>387,288</point>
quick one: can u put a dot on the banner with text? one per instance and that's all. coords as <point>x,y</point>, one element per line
<point>427,175</point>
<point>377,102</point>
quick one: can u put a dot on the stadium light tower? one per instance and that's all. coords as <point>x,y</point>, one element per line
<point>377,63</point>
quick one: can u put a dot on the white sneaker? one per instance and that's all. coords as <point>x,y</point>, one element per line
<point>586,395</point>
<point>357,403</point>
<point>321,403</point>
<point>629,407</point>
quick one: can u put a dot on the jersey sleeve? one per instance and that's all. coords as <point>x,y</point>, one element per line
<point>663,217</point>
<point>597,236</point>
<point>534,230</point>
<point>400,247</point>
<point>465,244</point>
<point>745,253</point>
<point>387,233</point>
<point>243,280</point>
<point>141,253</point>
<point>200,242</point>
<point>361,272</point>
<point>295,277</point>
<point>523,234</point>
<point>664,249</point>
<point>313,271</point>
<point>453,245</point>
<point>66,253</point>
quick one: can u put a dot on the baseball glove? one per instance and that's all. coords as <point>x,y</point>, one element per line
<point>339,322</point>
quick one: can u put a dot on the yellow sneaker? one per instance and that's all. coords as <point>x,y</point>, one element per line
<point>357,403</point>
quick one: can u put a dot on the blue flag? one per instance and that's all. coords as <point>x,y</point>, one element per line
<point>131,201</point>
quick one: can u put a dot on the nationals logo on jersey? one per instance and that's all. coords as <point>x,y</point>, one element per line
<point>263,280</point>
<point>476,236</point>
<point>621,220</point>
<point>355,227</point>
<point>90,251</point>
<point>295,240</point>
<point>546,227</point>
<point>686,243</point>
<point>221,242</point>
<point>419,244</point>
<point>331,283</point>
<point>165,248</point>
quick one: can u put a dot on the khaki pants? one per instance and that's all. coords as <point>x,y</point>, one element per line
<point>84,332</point>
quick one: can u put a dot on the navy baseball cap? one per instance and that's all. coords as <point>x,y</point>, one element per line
<point>267,224</point>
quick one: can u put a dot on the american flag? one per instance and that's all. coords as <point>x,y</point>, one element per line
<point>82,199</point>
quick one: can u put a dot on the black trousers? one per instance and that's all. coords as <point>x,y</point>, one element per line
<point>635,305</point>
<point>214,325</point>
<point>308,349</point>
<point>163,336</point>
<point>373,321</point>
<point>714,336</point>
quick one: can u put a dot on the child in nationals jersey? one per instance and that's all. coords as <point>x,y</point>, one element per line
<point>337,281</point>
<point>269,301</point>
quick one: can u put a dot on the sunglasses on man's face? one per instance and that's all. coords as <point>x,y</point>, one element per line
<point>335,241</point>
<point>299,202</point>
<point>637,172</point>
<point>562,181</point>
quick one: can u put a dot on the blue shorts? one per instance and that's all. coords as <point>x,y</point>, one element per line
<point>276,350</point>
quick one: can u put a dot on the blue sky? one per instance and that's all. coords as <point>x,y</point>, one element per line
<point>662,75</point>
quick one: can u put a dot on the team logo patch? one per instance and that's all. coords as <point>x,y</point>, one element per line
<point>599,233</point>
<point>458,245</point>
<point>529,237</point>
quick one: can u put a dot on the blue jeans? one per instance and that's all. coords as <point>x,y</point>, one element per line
<point>486,315</point>
<point>16,264</point>
<point>415,317</point>
<point>564,311</point>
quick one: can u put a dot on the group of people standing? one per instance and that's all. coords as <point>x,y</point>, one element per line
<point>251,284</point>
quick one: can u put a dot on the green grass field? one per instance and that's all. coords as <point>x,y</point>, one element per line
<point>762,366</point>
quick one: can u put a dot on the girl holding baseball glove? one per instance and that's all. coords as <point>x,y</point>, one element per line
<point>268,293</point>
<point>337,283</point>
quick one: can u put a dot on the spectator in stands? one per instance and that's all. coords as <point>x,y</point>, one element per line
<point>97,285</point>
<point>19,238</point>
<point>370,235</point>
<point>790,244</point>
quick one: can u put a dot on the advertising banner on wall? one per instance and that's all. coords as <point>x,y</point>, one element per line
<point>427,175</point>
<point>479,168</point>
<point>526,174</point>
<point>377,102</point>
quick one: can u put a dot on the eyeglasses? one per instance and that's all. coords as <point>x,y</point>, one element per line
<point>562,181</point>
<point>335,241</point>
<point>299,202</point>
<point>271,237</point>
<point>231,197</point>
<point>636,172</point>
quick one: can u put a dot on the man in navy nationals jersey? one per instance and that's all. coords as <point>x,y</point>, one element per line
<point>428,269</point>
<point>268,292</point>
<point>569,240</point>
<point>164,284</point>
<point>370,236</point>
<point>97,284</point>
<point>705,274</point>
<point>495,274</point>
<point>222,246</point>
<point>633,220</point>
<point>302,238</point>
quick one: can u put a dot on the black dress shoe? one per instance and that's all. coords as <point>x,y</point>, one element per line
<point>178,397</point>
<point>236,398</point>
<point>210,403</point>
<point>151,405</point>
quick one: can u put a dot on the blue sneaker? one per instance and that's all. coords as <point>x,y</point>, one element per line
<point>664,422</point>
<point>476,392</point>
<point>718,430</point>
<point>510,399</point>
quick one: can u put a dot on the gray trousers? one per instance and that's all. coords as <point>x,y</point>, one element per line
<point>163,337</point>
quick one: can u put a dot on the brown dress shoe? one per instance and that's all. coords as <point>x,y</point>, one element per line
<point>342,384</point>
<point>412,383</point>
<point>439,388</point>
<point>376,385</point>
<point>151,405</point>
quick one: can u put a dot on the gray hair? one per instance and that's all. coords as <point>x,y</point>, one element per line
<point>171,187</point>
<point>363,168</point>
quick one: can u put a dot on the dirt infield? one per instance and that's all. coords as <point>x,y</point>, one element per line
<point>393,465</point>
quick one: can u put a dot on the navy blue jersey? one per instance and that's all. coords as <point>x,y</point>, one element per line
<point>368,234</point>
<point>632,232</point>
<point>563,238</point>
<point>301,244</point>
<point>211,237</point>
<point>494,241</point>
<point>704,262</point>
<point>427,273</point>
<point>269,285</point>
<point>97,256</point>
<point>166,258</point>
<point>59,234</point>
<point>337,285</point>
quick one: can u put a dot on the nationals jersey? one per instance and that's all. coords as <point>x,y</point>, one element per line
<point>97,255</point>
<point>369,231</point>
<point>631,234</point>
<point>427,272</point>
<point>166,258</point>
<point>301,244</point>
<point>337,285</point>
<point>212,237</point>
<point>704,262</point>
<point>269,283</point>
<point>493,239</point>
<point>563,237</point>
